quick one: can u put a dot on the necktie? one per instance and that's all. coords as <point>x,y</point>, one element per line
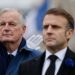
<point>51,68</point>
<point>10,57</point>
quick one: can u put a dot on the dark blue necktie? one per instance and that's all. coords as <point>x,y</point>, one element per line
<point>10,57</point>
<point>51,68</point>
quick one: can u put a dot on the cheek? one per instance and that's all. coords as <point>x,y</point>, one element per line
<point>1,32</point>
<point>61,36</point>
<point>1,36</point>
<point>18,32</point>
<point>44,33</point>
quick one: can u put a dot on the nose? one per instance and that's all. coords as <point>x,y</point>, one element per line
<point>49,30</point>
<point>6,28</point>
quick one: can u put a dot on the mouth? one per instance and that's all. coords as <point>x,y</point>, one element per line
<point>7,35</point>
<point>50,39</point>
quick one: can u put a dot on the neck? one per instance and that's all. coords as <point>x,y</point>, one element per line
<point>12,46</point>
<point>55,49</point>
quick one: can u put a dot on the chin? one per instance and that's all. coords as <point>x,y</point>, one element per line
<point>50,43</point>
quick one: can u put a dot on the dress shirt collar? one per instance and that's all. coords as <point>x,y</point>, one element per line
<point>60,54</point>
<point>13,53</point>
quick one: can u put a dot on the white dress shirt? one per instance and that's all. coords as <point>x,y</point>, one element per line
<point>60,54</point>
<point>13,53</point>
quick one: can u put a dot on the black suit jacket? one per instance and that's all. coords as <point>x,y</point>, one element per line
<point>34,67</point>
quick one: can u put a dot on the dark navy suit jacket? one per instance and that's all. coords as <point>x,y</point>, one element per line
<point>24,54</point>
<point>34,67</point>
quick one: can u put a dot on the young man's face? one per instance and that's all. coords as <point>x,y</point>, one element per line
<point>11,29</point>
<point>55,33</point>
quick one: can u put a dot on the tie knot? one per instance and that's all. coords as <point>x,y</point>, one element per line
<point>10,57</point>
<point>53,57</point>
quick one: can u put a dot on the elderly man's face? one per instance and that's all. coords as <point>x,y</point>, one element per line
<point>11,29</point>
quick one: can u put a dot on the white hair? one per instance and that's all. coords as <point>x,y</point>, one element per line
<point>21,18</point>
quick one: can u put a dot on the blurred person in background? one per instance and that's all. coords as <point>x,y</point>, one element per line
<point>58,59</point>
<point>13,48</point>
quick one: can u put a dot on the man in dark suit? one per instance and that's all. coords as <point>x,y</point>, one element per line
<point>58,59</point>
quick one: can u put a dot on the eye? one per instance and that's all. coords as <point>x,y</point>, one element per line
<point>2,23</point>
<point>45,26</point>
<point>12,24</point>
<point>55,27</point>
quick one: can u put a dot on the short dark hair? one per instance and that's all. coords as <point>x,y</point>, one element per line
<point>64,13</point>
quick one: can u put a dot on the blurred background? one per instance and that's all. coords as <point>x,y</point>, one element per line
<point>33,12</point>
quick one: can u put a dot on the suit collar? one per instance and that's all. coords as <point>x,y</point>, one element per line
<point>60,54</point>
<point>64,69</point>
<point>39,64</point>
<point>23,47</point>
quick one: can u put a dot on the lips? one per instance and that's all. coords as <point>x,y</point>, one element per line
<point>50,39</point>
<point>7,34</point>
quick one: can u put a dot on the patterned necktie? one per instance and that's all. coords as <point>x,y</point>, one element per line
<point>51,68</point>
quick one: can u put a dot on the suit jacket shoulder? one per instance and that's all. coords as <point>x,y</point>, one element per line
<point>34,67</point>
<point>68,65</point>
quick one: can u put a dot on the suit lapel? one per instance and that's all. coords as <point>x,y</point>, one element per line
<point>39,64</point>
<point>64,69</point>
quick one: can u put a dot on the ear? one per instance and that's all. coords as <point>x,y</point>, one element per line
<point>69,33</point>
<point>24,28</point>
